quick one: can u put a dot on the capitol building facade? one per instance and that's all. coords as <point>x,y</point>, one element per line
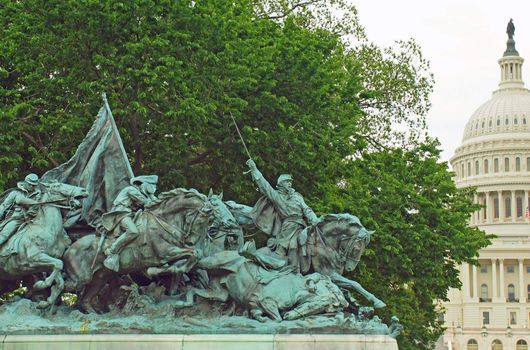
<point>492,309</point>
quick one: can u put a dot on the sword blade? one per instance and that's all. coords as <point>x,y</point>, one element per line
<point>240,136</point>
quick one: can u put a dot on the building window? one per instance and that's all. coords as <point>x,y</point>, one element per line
<point>476,167</point>
<point>528,289</point>
<point>513,317</point>
<point>468,169</point>
<point>484,268</point>
<point>511,294</point>
<point>485,318</point>
<point>506,164</point>
<point>528,271</point>
<point>496,208</point>
<point>496,165</point>
<point>515,121</point>
<point>510,268</point>
<point>517,164</point>
<point>462,173</point>
<point>498,122</point>
<point>490,124</point>
<point>496,345</point>
<point>506,121</point>
<point>521,345</point>
<point>472,344</point>
<point>484,293</point>
<point>524,121</point>
<point>486,166</point>
<point>519,207</point>
<point>528,164</point>
<point>507,207</point>
<point>485,211</point>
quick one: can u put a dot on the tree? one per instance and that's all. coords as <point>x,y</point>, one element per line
<point>305,99</point>
<point>420,219</point>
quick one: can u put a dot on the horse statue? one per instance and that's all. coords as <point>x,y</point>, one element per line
<point>266,293</point>
<point>330,247</point>
<point>171,230</point>
<point>39,244</point>
<point>333,246</point>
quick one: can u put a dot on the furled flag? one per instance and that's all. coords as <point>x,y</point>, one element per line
<point>100,165</point>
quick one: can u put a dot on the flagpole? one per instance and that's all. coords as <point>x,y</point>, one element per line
<point>115,128</point>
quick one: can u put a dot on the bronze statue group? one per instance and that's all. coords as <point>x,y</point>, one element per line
<point>90,225</point>
<point>194,240</point>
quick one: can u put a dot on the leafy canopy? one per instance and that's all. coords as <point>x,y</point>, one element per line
<point>309,92</point>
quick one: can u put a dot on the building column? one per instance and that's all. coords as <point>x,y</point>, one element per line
<point>465,282</point>
<point>474,220</point>
<point>475,282</point>
<point>501,279</point>
<point>500,206</point>
<point>494,288</point>
<point>489,211</point>
<point>522,296</point>
<point>525,203</point>
<point>482,212</point>
<point>514,208</point>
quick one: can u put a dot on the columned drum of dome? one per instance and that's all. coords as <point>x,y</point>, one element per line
<point>492,309</point>
<point>495,152</point>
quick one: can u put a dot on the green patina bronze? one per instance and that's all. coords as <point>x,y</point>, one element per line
<point>510,44</point>
<point>135,253</point>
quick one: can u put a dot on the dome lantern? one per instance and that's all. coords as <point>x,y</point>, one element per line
<point>511,63</point>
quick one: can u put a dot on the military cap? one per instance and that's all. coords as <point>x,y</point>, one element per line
<point>150,179</point>
<point>32,179</point>
<point>284,177</point>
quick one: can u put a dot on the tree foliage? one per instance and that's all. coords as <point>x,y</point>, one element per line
<point>306,100</point>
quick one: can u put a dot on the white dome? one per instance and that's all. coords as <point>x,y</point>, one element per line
<point>494,155</point>
<point>507,112</point>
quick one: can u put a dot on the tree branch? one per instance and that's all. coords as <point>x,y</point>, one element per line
<point>41,147</point>
<point>201,158</point>
<point>289,11</point>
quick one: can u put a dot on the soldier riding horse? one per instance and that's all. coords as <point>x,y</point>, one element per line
<point>169,229</point>
<point>39,243</point>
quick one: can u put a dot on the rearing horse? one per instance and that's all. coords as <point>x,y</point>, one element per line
<point>334,245</point>
<point>40,243</point>
<point>169,228</point>
<point>329,247</point>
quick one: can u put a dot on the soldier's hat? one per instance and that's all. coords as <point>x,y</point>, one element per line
<point>284,177</point>
<point>32,179</point>
<point>150,179</point>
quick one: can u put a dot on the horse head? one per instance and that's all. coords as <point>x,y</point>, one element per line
<point>199,216</point>
<point>347,236</point>
<point>223,222</point>
<point>58,192</point>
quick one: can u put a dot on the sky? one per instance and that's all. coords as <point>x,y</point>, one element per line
<point>462,39</point>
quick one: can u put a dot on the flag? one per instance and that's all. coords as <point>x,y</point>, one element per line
<point>527,213</point>
<point>100,165</point>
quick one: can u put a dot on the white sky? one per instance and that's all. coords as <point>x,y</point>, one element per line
<point>463,39</point>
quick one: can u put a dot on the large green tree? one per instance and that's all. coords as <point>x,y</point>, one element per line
<point>307,101</point>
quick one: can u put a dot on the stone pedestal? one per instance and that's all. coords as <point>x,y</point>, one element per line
<point>198,342</point>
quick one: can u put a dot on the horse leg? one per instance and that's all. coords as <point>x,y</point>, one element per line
<point>43,259</point>
<point>56,290</point>
<point>343,282</point>
<point>91,290</point>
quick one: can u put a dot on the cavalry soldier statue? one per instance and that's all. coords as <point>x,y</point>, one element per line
<point>13,209</point>
<point>282,213</point>
<point>129,201</point>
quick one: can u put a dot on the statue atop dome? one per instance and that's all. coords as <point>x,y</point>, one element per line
<point>510,44</point>
<point>510,29</point>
